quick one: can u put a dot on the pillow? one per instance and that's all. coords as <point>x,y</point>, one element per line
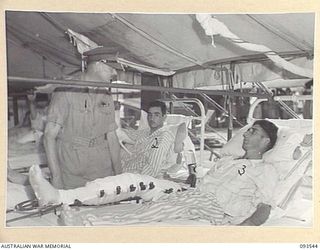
<point>287,141</point>
<point>176,119</point>
<point>234,145</point>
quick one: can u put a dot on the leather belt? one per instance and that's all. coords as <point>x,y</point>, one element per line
<point>86,142</point>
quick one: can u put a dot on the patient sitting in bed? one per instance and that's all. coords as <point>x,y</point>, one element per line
<point>150,148</point>
<point>238,190</point>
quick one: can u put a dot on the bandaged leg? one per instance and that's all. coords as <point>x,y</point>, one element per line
<point>103,190</point>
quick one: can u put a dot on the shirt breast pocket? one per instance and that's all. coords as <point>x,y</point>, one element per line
<point>105,107</point>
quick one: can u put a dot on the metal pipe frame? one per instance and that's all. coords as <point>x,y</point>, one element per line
<point>293,98</point>
<point>32,82</point>
<point>214,103</point>
<point>250,117</point>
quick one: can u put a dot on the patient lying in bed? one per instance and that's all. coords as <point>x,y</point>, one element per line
<point>240,191</point>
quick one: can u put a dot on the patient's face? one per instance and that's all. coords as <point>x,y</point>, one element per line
<point>254,138</point>
<point>155,118</point>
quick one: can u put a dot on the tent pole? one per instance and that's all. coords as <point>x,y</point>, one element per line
<point>33,82</point>
<point>230,81</point>
<point>15,110</point>
<point>230,118</point>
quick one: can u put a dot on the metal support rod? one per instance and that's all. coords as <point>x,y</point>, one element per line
<point>230,120</point>
<point>230,81</point>
<point>217,105</point>
<point>289,110</point>
<point>205,146</point>
<point>32,82</point>
<point>253,106</point>
<point>293,98</point>
<point>283,104</point>
<point>206,125</point>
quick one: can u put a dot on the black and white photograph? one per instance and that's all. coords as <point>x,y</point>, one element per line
<point>159,119</point>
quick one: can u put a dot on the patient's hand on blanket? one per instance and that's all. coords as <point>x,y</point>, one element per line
<point>259,216</point>
<point>44,191</point>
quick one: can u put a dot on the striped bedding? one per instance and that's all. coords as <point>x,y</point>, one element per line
<point>189,205</point>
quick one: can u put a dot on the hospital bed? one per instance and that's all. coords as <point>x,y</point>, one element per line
<point>293,200</point>
<point>294,206</point>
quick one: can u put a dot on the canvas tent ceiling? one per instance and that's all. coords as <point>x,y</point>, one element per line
<point>38,47</point>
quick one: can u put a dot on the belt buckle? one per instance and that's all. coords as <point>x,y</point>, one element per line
<point>92,142</point>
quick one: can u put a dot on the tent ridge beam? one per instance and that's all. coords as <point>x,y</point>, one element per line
<point>33,82</point>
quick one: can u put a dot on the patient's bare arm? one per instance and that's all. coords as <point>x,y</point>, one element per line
<point>258,217</point>
<point>114,146</point>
